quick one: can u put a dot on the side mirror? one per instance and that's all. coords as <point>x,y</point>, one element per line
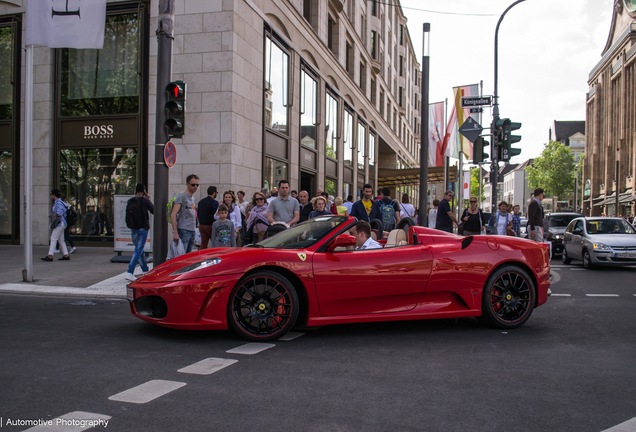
<point>577,231</point>
<point>343,240</point>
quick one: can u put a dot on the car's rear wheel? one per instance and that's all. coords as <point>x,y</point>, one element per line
<point>587,260</point>
<point>263,306</point>
<point>564,256</point>
<point>508,298</point>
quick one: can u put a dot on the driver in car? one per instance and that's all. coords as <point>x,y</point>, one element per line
<point>363,237</point>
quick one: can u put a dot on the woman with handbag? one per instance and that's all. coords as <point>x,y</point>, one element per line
<point>472,221</point>
<point>58,225</point>
<point>257,220</point>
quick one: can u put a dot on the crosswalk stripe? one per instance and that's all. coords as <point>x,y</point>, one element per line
<point>207,366</point>
<point>147,391</point>
<point>75,421</point>
<point>561,295</point>
<point>602,295</point>
<point>628,426</point>
<point>250,348</point>
<point>291,336</point>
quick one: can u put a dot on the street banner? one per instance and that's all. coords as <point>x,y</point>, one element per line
<point>436,134</point>
<point>66,23</point>
<point>466,185</point>
<point>455,142</point>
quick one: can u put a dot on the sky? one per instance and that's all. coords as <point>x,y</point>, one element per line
<point>547,49</point>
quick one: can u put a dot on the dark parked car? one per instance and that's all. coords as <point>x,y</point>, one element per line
<point>555,225</point>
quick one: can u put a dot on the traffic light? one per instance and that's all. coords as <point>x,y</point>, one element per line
<point>504,127</point>
<point>478,150</point>
<point>175,109</point>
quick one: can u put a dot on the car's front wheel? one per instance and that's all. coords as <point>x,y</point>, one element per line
<point>263,306</point>
<point>508,298</point>
<point>587,260</point>
<point>564,256</point>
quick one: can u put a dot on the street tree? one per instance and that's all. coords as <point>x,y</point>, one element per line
<point>553,170</point>
<point>474,184</point>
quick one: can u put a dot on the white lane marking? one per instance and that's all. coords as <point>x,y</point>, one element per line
<point>602,295</point>
<point>561,295</point>
<point>147,391</point>
<point>72,422</point>
<point>555,268</point>
<point>557,265</point>
<point>250,348</point>
<point>291,336</point>
<point>577,269</point>
<point>628,426</point>
<point>207,366</point>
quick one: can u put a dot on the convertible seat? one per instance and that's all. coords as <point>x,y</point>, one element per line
<point>397,237</point>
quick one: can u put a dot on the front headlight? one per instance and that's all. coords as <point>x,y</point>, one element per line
<point>602,247</point>
<point>197,266</point>
<point>558,236</point>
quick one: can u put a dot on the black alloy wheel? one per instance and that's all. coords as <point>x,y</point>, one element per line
<point>587,260</point>
<point>508,298</point>
<point>564,256</point>
<point>263,306</point>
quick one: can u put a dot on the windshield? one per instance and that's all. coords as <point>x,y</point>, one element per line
<point>562,220</point>
<point>304,235</point>
<point>609,226</point>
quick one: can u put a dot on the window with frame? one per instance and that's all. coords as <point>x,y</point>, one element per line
<point>362,138</point>
<point>105,81</point>
<point>348,138</point>
<point>371,150</point>
<point>308,109</point>
<point>331,127</point>
<point>276,86</point>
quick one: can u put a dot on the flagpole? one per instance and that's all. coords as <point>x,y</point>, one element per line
<point>27,273</point>
<point>446,158</point>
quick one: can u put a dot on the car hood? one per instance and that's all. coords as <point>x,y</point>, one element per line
<point>557,230</point>
<point>614,239</point>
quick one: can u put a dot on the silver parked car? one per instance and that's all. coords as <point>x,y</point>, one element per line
<point>600,241</point>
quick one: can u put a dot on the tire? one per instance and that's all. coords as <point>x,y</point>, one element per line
<point>587,260</point>
<point>564,257</point>
<point>508,298</point>
<point>262,307</point>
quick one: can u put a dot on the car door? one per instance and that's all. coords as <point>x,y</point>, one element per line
<point>576,242</point>
<point>371,281</point>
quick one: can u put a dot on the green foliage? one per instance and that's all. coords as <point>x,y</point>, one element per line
<point>474,185</point>
<point>553,170</point>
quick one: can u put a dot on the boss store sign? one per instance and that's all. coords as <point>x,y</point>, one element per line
<point>95,133</point>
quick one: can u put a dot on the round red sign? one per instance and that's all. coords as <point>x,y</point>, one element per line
<point>170,154</point>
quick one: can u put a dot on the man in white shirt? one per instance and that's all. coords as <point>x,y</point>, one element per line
<point>363,237</point>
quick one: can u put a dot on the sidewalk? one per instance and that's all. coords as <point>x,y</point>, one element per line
<point>88,273</point>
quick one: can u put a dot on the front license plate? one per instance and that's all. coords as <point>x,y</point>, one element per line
<point>625,255</point>
<point>130,294</point>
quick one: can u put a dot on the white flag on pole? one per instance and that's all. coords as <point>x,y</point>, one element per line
<point>66,23</point>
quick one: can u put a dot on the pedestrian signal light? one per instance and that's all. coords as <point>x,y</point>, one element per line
<point>175,109</point>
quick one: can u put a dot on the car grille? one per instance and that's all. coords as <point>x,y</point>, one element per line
<point>624,248</point>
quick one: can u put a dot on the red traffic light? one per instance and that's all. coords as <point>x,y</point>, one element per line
<point>175,90</point>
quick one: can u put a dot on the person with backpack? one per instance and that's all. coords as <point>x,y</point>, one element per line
<point>183,214</point>
<point>58,225</point>
<point>366,209</point>
<point>138,221</point>
<point>71,219</point>
<point>205,212</point>
<point>389,209</point>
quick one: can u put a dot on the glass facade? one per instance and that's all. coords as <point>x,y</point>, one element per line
<point>276,87</point>
<point>308,109</point>
<point>6,194</point>
<point>371,153</point>
<point>6,73</point>
<point>348,138</point>
<point>106,81</point>
<point>273,172</point>
<point>331,127</point>
<point>362,136</point>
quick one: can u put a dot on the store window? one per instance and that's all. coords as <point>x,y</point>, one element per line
<point>308,109</point>
<point>348,138</point>
<point>6,194</point>
<point>276,86</point>
<point>90,178</point>
<point>362,136</point>
<point>106,81</point>
<point>330,186</point>
<point>331,127</point>
<point>7,88</point>
<point>273,172</point>
<point>371,151</point>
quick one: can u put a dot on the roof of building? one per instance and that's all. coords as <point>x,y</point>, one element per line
<point>563,130</point>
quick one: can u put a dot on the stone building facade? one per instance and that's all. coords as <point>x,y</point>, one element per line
<point>609,164</point>
<point>319,92</point>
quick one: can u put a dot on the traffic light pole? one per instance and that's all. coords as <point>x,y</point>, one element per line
<point>424,128</point>
<point>165,28</point>
<point>494,167</point>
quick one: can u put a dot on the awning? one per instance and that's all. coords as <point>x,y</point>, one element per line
<point>411,176</point>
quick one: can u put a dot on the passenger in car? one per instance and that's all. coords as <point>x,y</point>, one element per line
<point>363,237</point>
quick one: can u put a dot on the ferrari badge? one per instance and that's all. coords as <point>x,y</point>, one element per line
<point>302,256</point>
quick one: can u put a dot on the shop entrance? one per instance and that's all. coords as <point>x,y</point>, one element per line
<point>308,183</point>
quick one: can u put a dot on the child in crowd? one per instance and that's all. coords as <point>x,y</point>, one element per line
<point>223,229</point>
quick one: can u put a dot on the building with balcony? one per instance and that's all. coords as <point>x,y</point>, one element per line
<point>318,92</point>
